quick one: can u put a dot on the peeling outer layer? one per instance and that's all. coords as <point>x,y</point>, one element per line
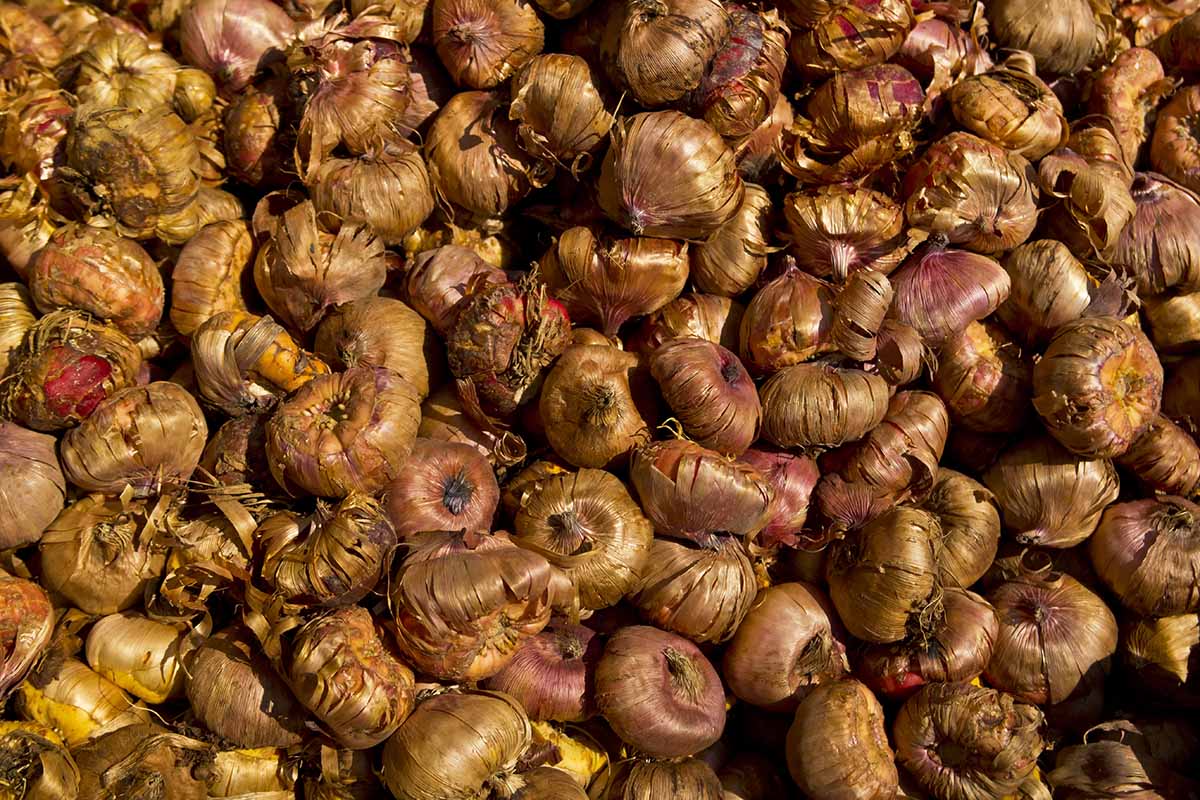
<point>1159,245</point>
<point>483,43</point>
<point>343,433</point>
<point>742,84</point>
<point>26,624</point>
<point>387,188</point>
<point>1098,386</point>
<point>1175,146</point>
<point>851,35</point>
<point>858,311</point>
<point>840,229</point>
<point>985,380</point>
<point>713,317</point>
<point>66,366</point>
<point>1165,459</point>
<point>788,321</point>
<point>731,261</point>
<point>559,108</point>
<point>809,405</point>
<point>1127,92</point>
<point>211,274</point>
<point>1177,47</point>
<point>709,392</point>
<point>792,479</point>
<point>1095,202</point>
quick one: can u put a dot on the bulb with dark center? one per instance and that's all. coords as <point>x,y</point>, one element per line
<point>730,372</point>
<point>570,532</point>
<point>457,492</point>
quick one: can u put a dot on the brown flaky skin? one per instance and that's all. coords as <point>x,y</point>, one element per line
<point>789,320</point>
<point>691,492</point>
<point>560,113</point>
<point>702,593</point>
<point>1001,739</point>
<point>851,35</point>
<point>483,43</point>
<point>26,624</point>
<point>970,527</point>
<point>388,188</point>
<point>1098,386</point>
<point>985,380</point>
<point>1127,92</point>
<point>1055,636</point>
<point>211,274</point>
<point>643,779</point>
<point>1159,245</point>
<point>379,332</point>
<point>659,692</point>
<point>344,432</point>
<point>1175,145</point>
<point>66,366</point>
<point>1166,458</point>
<point>148,438</point>
<point>1062,43</point>
<point>667,174</point>
<point>837,747</point>
<point>1146,552</point>
<point>1049,496</point>
<point>446,486</point>
<point>97,271</point>
<point>587,525</point>
<point>789,642</point>
<point>709,392</point>
<point>32,488</point>
<point>839,229</point>
<point>730,262</point>
<point>462,603</point>
<point>1092,184</point>
<point>456,745</point>
<point>552,674</point>
<point>709,316</point>
<point>742,87</point>
<point>1011,106</point>
<point>341,669</point>
<point>811,404</point>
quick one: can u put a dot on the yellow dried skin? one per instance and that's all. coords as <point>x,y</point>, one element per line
<point>142,656</point>
<point>123,71</point>
<point>809,405</point>
<point>210,274</point>
<point>836,230</point>
<point>561,113</point>
<point>26,220</point>
<point>390,191</point>
<point>730,262</point>
<point>38,765</point>
<point>75,702</point>
<point>31,138</point>
<point>1012,107</point>
<point>851,35</point>
<point>16,317</point>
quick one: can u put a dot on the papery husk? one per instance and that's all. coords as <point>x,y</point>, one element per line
<point>98,272</point>
<point>587,525</point>
<point>75,702</point>
<point>548,783</point>
<point>978,194</point>
<point>211,274</point>
<point>28,38</point>
<point>124,71</point>
<point>475,159</point>
<point>1115,768</point>
<point>504,337</point>
<point>447,486</point>
<point>955,650</point>
<point>1000,740</point>
<point>244,772</point>
<point>388,190</point>
<point>792,479</point>
<point>36,763</point>
<point>940,52</point>
<point>1011,106</point>
<point>234,692</point>
<point>1174,146</point>
<point>1055,636</point>
<point>379,332</point>
<point>1161,656</point>
<point>984,379</point>
<point>709,316</point>
<point>31,140</point>
<point>1127,93</point>
<point>457,745</point>
<point>609,280</point>
<point>244,363</point>
<point>551,675</point>
<point>883,578</point>
<point>580,753</point>
<point>444,419</point>
<point>731,261</point>
<point>232,40</point>
<point>142,166</point>
<point>1080,32</point>
<point>895,462</point>
<point>560,112</point>
<point>1143,22</point>
<point>351,81</point>
<point>810,405</point>
<point>659,692</point>
<point>1049,288</point>
<point>345,432</point>
<point>141,655</point>
<point>302,272</point>
<point>901,355</point>
<point>407,16</point>
<point>483,43</point>
<point>211,205</point>
<point>788,321</point>
<point>756,155</point>
<point>691,492</point>
<point>32,487</point>
<point>702,593</point>
<point>837,746</point>
<point>970,527</point>
<point>340,667</point>
<point>27,627</point>
<point>437,280</point>
<point>855,123</point>
<point>344,775</point>
<point>143,762</point>
<point>1158,246</point>
<point>1176,47</point>
<point>1174,321</point>
<point>660,50</point>
<point>1098,386</point>
<point>1048,496</point>
<point>333,557</point>
<point>851,35</point>
<point>742,86</point>
<point>254,139</point>
<point>1095,201</point>
<point>709,392</point>
<point>462,603</point>
<point>1146,550</point>
<point>836,230</point>
<point>647,779</point>
<point>144,439</point>
<point>26,220</point>
<point>858,312</point>
<point>100,553</point>
<point>789,642</point>
<point>642,180</point>
<point>1165,459</point>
